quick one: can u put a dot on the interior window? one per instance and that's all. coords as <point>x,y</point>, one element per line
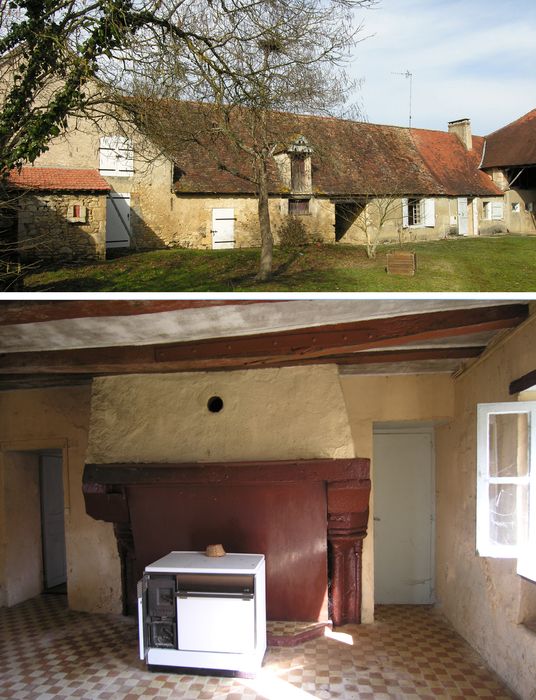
<point>506,483</point>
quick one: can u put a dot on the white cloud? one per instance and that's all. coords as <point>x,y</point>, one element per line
<point>470,58</point>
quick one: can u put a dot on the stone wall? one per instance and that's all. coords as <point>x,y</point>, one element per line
<point>193,219</point>
<point>46,228</point>
<point>483,597</point>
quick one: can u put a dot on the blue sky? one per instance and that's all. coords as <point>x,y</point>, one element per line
<point>469,58</point>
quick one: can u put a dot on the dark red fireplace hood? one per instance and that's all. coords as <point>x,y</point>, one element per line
<point>309,518</point>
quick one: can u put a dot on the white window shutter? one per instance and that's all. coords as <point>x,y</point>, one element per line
<point>497,210</point>
<point>107,158</point>
<point>125,159</point>
<point>116,156</point>
<point>429,212</point>
<point>405,213</point>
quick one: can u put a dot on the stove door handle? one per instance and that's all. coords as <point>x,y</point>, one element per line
<point>212,594</point>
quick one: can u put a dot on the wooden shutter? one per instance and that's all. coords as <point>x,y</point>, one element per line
<point>107,158</point>
<point>405,212</point>
<point>429,212</point>
<point>497,210</point>
<point>116,156</point>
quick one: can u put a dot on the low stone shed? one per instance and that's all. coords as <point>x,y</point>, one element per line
<point>61,213</point>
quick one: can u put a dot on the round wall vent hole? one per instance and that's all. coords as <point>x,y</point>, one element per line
<point>215,404</point>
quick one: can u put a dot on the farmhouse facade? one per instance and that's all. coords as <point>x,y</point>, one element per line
<point>349,182</point>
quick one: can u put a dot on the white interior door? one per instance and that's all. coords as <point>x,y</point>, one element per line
<point>403,518</point>
<point>52,520</point>
<point>118,220</point>
<point>223,228</point>
<point>463,222</point>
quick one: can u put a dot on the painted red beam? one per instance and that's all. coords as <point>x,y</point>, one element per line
<point>269,349</point>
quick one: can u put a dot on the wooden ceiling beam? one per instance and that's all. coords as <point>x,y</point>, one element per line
<point>290,347</point>
<point>27,380</point>
<point>17,312</point>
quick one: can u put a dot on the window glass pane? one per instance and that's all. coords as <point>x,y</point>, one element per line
<point>508,444</point>
<point>508,504</point>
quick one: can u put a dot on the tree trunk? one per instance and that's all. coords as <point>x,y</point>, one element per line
<point>267,242</point>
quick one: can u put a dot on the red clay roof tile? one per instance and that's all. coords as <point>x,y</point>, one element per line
<point>452,165</point>
<point>58,180</point>
<point>349,158</point>
<point>514,144</point>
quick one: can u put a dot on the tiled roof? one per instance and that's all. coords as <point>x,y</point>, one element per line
<point>349,158</point>
<point>451,165</point>
<point>514,144</point>
<point>59,180</point>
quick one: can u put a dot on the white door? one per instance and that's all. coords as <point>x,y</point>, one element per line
<point>223,228</point>
<point>474,204</point>
<point>118,220</point>
<point>403,518</point>
<point>52,520</point>
<point>463,223</point>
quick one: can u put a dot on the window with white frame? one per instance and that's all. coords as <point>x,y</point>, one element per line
<point>493,210</point>
<point>506,486</point>
<point>116,157</point>
<point>418,212</point>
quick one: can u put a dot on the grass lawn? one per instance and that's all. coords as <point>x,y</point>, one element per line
<point>498,264</point>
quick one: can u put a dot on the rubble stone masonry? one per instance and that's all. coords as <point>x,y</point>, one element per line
<point>48,227</point>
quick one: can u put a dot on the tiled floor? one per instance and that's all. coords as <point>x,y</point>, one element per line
<point>47,651</point>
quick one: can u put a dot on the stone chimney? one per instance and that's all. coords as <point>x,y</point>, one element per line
<point>462,129</point>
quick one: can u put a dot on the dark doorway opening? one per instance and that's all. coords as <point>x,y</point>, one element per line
<point>346,214</point>
<point>53,522</point>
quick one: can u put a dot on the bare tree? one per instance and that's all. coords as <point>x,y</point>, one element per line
<point>279,58</point>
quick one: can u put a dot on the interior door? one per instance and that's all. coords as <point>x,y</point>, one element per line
<point>52,520</point>
<point>118,220</point>
<point>403,518</point>
<point>463,219</point>
<point>223,228</point>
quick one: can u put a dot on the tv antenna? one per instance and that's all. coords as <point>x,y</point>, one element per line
<point>408,76</point>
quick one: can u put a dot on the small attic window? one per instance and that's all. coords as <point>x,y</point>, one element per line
<point>298,207</point>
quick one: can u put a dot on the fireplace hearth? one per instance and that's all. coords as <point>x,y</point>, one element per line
<point>304,515</point>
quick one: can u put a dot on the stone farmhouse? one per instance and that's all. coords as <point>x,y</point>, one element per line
<point>344,179</point>
<point>376,451</point>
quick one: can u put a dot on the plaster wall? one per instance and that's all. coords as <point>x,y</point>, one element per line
<point>289,413</point>
<point>32,420</point>
<point>522,221</point>
<point>484,598</point>
<point>379,399</point>
<point>389,211</point>
<point>23,558</point>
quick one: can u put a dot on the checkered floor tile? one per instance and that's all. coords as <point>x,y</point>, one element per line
<point>48,651</point>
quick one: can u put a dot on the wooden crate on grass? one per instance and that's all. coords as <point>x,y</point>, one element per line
<point>401,263</point>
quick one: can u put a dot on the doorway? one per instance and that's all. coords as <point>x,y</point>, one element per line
<point>118,220</point>
<point>35,560</point>
<point>52,522</point>
<point>346,214</point>
<point>403,482</point>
